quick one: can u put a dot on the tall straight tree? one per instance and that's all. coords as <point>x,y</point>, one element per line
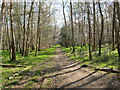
<point>88,13</point>
<point>13,58</point>
<point>64,22</point>
<point>73,42</point>
<point>113,27</point>
<point>102,28</point>
<point>23,51</point>
<point>28,29</point>
<point>3,22</point>
<point>38,27</point>
<point>94,19</point>
<point>118,28</point>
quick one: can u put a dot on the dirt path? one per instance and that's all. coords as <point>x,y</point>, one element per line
<point>69,74</point>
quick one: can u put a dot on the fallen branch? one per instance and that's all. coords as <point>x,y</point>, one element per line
<point>102,69</point>
<point>9,65</point>
<point>108,70</point>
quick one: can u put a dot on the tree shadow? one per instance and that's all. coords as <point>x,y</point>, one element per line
<point>42,73</point>
<point>69,66</point>
<point>114,82</point>
<point>93,80</point>
<point>56,68</point>
<point>78,80</point>
<point>63,73</point>
<point>51,76</point>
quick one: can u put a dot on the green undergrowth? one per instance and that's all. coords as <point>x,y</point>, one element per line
<point>108,58</point>
<point>38,65</point>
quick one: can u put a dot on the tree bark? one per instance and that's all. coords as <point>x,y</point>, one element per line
<point>38,27</point>
<point>3,23</point>
<point>13,58</point>
<point>24,36</point>
<point>102,28</point>
<point>65,39</point>
<point>113,26</point>
<point>28,30</point>
<point>94,34</point>
<point>118,29</point>
<point>90,56</point>
<point>73,42</point>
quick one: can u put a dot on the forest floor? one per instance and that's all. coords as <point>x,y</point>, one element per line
<point>69,74</point>
<point>60,71</point>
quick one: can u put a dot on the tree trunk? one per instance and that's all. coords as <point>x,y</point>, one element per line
<point>3,22</point>
<point>39,42</point>
<point>118,29</point>
<point>65,39</point>
<point>28,30</point>
<point>12,35</point>
<point>113,26</point>
<point>90,56</point>
<point>23,51</point>
<point>102,28</point>
<point>73,42</point>
<point>38,27</point>
<point>94,34</point>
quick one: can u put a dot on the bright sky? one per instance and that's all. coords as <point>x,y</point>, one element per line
<point>59,13</point>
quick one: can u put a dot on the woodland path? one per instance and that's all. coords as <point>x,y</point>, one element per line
<point>69,74</point>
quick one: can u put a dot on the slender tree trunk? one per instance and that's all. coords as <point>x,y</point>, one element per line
<point>24,36</point>
<point>90,56</point>
<point>73,42</point>
<point>9,38</point>
<point>118,29</point>
<point>38,27</point>
<point>12,35</point>
<point>98,29</point>
<point>3,23</point>
<point>102,28</point>
<point>65,39</point>
<point>32,44</point>
<point>28,30</point>
<point>39,42</point>
<point>94,34</point>
<point>113,26</point>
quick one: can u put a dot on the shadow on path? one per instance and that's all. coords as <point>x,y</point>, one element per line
<point>93,80</point>
<point>77,80</point>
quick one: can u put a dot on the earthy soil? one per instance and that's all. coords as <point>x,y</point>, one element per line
<point>69,74</point>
